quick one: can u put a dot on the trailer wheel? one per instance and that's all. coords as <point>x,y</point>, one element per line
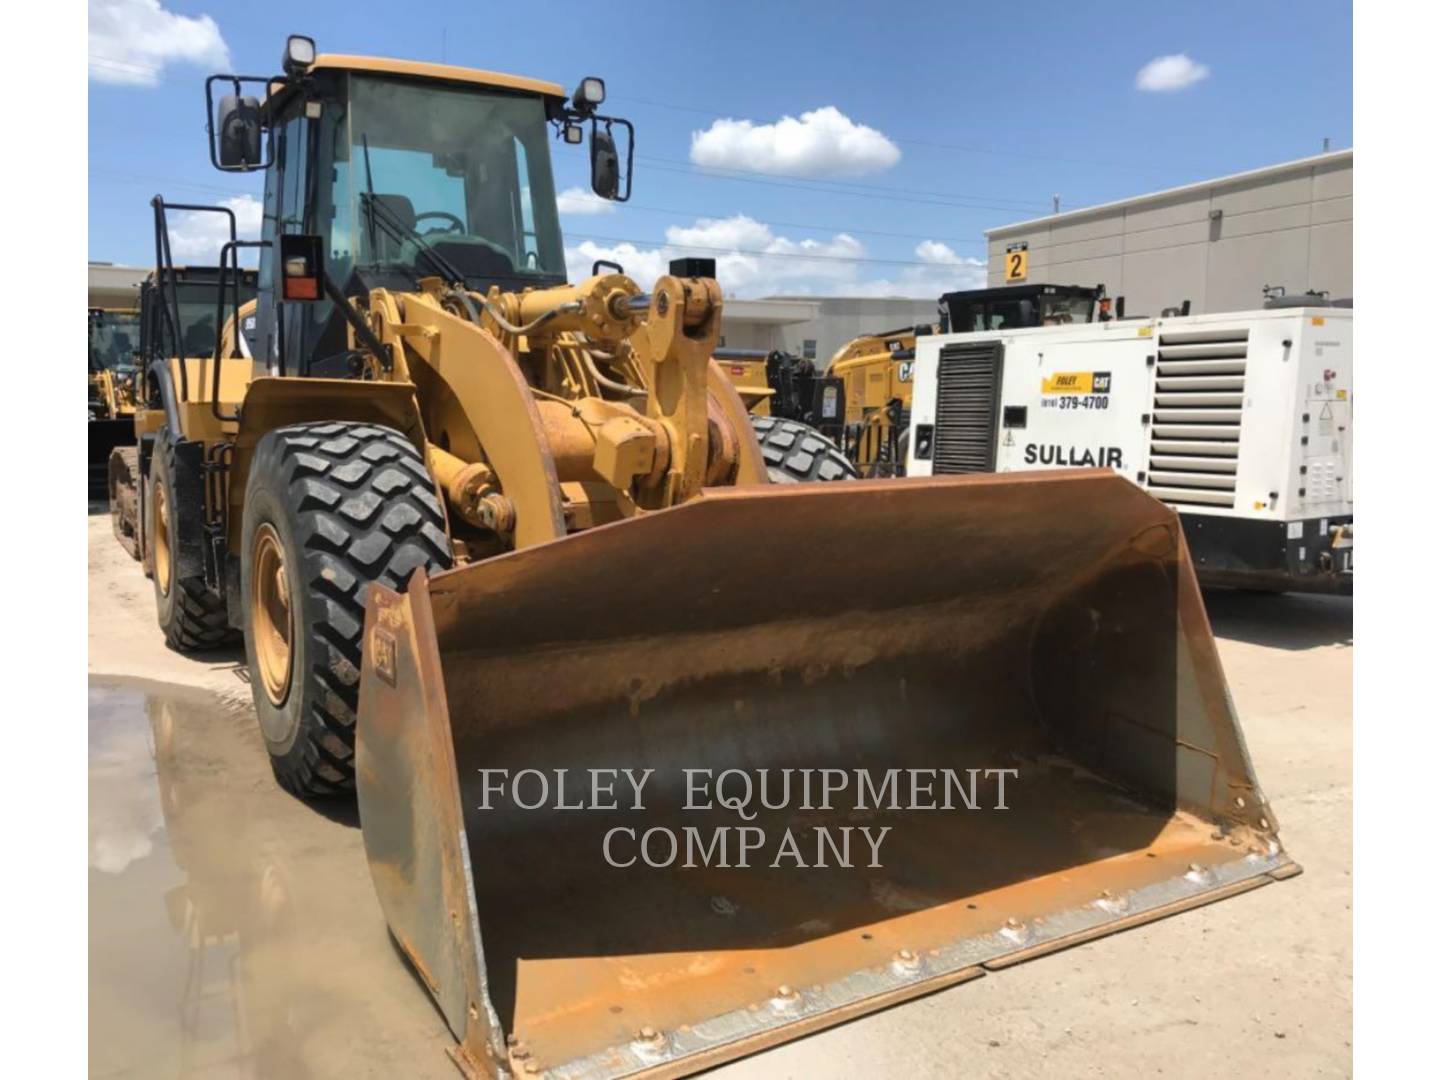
<point>329,508</point>
<point>796,453</point>
<point>192,617</point>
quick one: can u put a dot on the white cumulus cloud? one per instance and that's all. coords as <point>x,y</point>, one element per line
<point>753,261</point>
<point>823,142</point>
<point>576,200</point>
<point>131,41</point>
<point>738,245</point>
<point>944,271</point>
<point>1168,73</point>
<point>196,237</point>
<point>933,251</point>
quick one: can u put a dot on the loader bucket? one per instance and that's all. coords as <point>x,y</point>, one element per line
<point>1045,623</point>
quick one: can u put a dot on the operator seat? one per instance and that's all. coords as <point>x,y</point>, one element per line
<point>393,212</point>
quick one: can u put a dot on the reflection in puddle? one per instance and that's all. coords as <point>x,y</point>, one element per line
<point>233,929</point>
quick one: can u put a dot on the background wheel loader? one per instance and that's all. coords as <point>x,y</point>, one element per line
<point>179,320</point>
<point>471,517</point>
<point>114,341</point>
<point>796,416</point>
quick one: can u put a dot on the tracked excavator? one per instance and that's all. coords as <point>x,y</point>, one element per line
<point>475,521</point>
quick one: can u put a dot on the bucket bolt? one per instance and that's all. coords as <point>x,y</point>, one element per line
<point>649,1040</point>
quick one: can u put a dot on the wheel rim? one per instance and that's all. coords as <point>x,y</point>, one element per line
<point>272,620</point>
<point>162,539</point>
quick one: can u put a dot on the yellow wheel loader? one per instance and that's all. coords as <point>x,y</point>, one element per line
<point>483,528</point>
<point>178,321</point>
<point>113,344</point>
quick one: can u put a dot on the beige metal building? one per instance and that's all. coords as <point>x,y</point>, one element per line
<point>1215,243</point>
<point>114,286</point>
<point>816,326</point>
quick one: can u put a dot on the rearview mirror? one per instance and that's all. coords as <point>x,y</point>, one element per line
<point>238,133</point>
<point>604,164</point>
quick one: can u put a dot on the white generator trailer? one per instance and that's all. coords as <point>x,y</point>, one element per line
<point>1241,422</point>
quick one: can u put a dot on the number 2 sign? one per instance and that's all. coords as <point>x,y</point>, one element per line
<point>1017,262</point>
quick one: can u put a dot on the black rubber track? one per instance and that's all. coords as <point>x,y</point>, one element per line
<point>192,617</point>
<point>352,503</point>
<point>797,453</point>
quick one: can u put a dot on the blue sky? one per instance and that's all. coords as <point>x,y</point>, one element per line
<point>927,123</point>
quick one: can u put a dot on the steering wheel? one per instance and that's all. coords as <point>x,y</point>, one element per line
<point>454,223</point>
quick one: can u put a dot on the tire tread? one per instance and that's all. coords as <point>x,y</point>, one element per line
<point>796,452</point>
<point>364,509</point>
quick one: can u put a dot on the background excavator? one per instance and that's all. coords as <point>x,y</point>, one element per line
<point>469,516</point>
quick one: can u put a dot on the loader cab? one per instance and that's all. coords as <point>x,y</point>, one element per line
<point>1014,307</point>
<point>114,339</point>
<point>404,171</point>
<point>195,292</point>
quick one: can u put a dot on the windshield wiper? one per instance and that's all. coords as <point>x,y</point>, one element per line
<point>396,227</point>
<point>369,188</point>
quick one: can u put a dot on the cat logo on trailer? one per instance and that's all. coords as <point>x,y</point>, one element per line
<point>1076,382</point>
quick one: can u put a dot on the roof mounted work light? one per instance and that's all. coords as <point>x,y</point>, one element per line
<point>299,54</point>
<point>589,95</point>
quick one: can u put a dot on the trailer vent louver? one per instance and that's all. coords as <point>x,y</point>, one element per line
<point>1195,434</point>
<point>966,407</point>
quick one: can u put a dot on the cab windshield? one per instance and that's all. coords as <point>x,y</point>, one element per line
<point>114,337</point>
<point>1017,312</point>
<point>461,173</point>
<point>1058,310</point>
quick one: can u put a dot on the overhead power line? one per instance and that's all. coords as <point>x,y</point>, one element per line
<point>775,224</point>
<point>122,65</point>
<point>998,202</point>
<point>882,194</point>
<point>163,183</point>
<point>801,256</point>
<point>934,144</point>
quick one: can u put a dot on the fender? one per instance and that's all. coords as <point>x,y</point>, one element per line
<point>272,402</point>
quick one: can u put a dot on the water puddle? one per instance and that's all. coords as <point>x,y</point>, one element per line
<point>233,928</point>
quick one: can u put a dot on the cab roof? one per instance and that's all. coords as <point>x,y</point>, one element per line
<point>449,72</point>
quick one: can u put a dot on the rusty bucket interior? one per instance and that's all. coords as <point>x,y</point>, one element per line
<point>1047,624</point>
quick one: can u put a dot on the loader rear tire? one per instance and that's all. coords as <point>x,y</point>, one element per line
<point>329,508</point>
<point>796,453</point>
<point>191,615</point>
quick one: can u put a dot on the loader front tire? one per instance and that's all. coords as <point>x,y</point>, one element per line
<point>796,453</point>
<point>329,508</point>
<point>191,615</point>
